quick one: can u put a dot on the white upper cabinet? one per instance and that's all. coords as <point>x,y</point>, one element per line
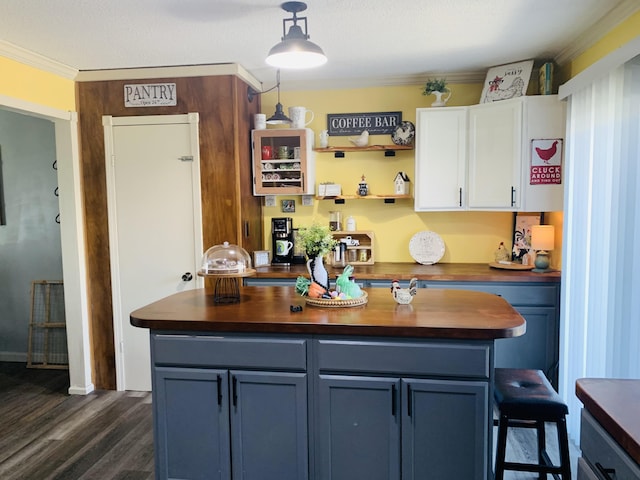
<point>495,142</point>
<point>483,157</point>
<point>441,157</point>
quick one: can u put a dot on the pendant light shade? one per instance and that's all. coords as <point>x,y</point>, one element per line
<point>295,50</point>
<point>278,118</point>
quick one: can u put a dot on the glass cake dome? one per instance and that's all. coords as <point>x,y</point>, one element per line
<point>225,259</point>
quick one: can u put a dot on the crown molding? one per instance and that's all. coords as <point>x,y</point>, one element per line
<point>603,26</point>
<point>36,60</point>
<point>169,72</point>
<point>389,81</point>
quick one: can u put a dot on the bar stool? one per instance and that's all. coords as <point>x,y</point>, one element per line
<point>525,399</point>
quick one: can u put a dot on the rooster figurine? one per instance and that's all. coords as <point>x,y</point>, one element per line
<point>404,296</point>
<point>361,140</point>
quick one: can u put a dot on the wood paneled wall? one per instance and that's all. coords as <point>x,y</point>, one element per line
<point>230,212</point>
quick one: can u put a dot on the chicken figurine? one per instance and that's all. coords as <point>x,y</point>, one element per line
<point>404,296</point>
<point>361,140</point>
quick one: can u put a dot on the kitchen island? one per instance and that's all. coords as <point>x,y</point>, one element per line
<point>382,391</point>
<point>536,296</point>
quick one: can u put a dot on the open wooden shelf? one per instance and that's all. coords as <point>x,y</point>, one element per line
<point>386,198</point>
<point>389,150</point>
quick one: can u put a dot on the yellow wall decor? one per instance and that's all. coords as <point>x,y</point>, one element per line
<point>30,84</point>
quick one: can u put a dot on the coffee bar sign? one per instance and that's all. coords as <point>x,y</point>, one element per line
<point>150,95</point>
<point>376,123</point>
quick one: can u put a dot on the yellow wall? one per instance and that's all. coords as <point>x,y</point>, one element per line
<point>469,236</point>
<point>617,37</point>
<point>37,86</point>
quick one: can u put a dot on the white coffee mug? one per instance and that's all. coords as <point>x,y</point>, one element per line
<point>283,247</point>
<point>298,116</point>
<point>260,121</point>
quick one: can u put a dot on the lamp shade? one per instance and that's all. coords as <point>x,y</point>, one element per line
<point>296,53</point>
<point>542,237</point>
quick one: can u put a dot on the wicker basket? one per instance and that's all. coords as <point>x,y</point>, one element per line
<point>330,302</point>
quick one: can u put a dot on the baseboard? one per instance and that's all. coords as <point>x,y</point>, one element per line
<point>78,390</point>
<point>18,357</point>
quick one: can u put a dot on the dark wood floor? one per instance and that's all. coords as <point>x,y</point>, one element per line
<point>47,434</point>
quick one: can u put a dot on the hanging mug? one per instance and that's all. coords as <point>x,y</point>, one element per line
<point>298,116</point>
<point>283,247</point>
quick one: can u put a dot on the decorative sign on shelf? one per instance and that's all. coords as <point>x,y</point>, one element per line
<point>546,162</point>
<point>506,81</point>
<point>150,95</point>
<point>376,123</point>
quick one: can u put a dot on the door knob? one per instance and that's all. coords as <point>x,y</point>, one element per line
<point>187,277</point>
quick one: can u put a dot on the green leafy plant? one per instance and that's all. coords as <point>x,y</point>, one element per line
<point>316,240</point>
<point>435,85</point>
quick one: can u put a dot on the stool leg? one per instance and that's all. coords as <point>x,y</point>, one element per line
<point>563,446</point>
<point>503,426</point>
<point>542,446</point>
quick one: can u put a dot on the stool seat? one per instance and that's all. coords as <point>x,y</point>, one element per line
<point>524,398</point>
<point>527,395</point>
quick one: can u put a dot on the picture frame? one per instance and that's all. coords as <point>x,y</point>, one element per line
<point>288,206</point>
<point>522,224</point>
<point>506,81</point>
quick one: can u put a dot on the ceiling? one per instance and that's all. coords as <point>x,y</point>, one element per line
<point>368,42</point>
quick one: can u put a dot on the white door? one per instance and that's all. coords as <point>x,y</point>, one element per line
<point>155,234</point>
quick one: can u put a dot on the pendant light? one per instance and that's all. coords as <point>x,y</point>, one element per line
<point>295,50</point>
<point>278,118</point>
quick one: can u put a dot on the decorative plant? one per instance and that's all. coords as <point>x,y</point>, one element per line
<point>316,240</point>
<point>435,85</point>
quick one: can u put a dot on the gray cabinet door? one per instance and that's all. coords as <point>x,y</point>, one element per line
<point>191,414</point>
<point>269,433</point>
<point>358,428</point>
<point>444,429</point>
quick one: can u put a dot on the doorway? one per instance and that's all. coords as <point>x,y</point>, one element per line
<point>155,227</point>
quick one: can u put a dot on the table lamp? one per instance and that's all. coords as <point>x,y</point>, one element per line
<point>542,238</point>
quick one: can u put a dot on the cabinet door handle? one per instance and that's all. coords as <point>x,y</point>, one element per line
<point>234,384</point>
<point>393,400</point>
<point>608,473</point>
<point>219,390</point>
<point>460,196</point>
<point>513,196</point>
<point>409,403</point>
<point>246,229</point>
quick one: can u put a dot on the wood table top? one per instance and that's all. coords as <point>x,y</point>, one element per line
<point>461,272</point>
<point>435,313</point>
<point>615,404</point>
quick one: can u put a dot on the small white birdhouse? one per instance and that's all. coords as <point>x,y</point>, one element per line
<point>401,184</point>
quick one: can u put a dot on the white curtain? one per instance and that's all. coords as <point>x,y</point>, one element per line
<point>600,314</point>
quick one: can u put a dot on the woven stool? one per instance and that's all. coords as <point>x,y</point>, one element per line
<point>526,399</point>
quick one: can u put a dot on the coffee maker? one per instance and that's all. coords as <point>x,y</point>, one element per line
<point>282,240</point>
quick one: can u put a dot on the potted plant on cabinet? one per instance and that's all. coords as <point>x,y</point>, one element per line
<point>437,87</point>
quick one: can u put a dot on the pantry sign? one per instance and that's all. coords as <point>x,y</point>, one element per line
<point>546,162</point>
<point>150,95</point>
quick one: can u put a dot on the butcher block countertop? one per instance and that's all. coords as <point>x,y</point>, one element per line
<point>434,313</point>
<point>614,404</point>
<point>460,272</point>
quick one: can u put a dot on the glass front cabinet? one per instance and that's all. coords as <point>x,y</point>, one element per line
<point>283,161</point>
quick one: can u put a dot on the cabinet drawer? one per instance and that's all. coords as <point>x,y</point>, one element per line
<point>514,294</point>
<point>599,448</point>
<point>404,358</point>
<point>585,472</point>
<point>229,352</point>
